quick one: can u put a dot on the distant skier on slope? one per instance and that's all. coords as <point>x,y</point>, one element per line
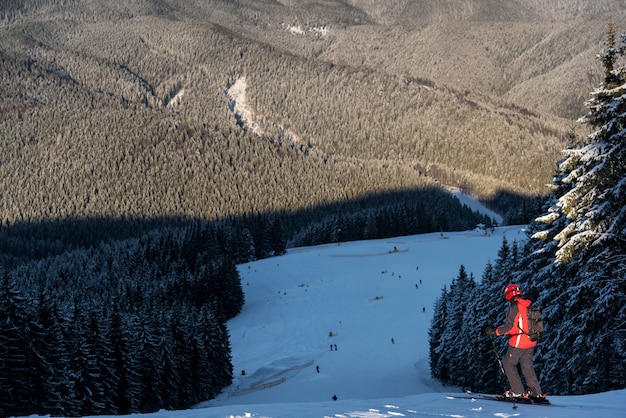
<point>521,347</point>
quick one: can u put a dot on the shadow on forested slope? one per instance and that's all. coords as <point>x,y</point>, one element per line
<point>376,216</point>
<point>515,208</point>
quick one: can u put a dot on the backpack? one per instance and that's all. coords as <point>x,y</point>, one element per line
<point>535,323</point>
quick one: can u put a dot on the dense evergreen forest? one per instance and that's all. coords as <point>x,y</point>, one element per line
<point>136,322</point>
<point>122,326</point>
<point>123,110</point>
<point>133,180</point>
<point>573,267</point>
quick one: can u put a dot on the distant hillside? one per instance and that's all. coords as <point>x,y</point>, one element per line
<point>122,107</point>
<point>537,54</point>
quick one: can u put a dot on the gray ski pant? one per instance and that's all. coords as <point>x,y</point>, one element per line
<point>523,357</point>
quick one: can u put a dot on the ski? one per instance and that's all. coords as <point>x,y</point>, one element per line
<point>470,397</point>
<point>499,398</point>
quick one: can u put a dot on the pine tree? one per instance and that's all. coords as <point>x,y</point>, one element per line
<point>149,368</point>
<point>49,361</point>
<point>503,261</point>
<point>462,287</point>
<point>592,209</point>
<point>278,239</point>
<point>123,396</point>
<point>181,350</point>
<point>438,366</point>
<point>226,289</point>
<point>169,378</point>
<point>243,245</point>
<point>98,348</point>
<point>450,365</point>
<point>485,309</point>
<point>15,385</point>
<point>213,341</point>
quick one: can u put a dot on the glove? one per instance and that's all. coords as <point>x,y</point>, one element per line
<point>490,331</point>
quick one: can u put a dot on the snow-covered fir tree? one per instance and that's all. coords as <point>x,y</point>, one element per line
<point>590,210</point>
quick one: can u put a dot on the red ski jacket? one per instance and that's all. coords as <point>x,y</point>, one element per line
<point>516,325</point>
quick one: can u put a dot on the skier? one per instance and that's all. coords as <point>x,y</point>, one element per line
<point>521,348</point>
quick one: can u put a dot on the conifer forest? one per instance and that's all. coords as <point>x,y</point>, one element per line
<point>148,147</point>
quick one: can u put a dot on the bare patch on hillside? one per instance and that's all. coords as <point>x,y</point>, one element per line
<point>247,117</point>
<point>317,30</point>
<point>239,106</point>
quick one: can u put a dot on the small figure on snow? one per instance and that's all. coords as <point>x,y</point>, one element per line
<point>334,398</point>
<point>317,368</point>
<point>521,347</point>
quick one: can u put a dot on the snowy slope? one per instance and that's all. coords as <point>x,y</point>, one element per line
<point>376,302</point>
<point>365,294</point>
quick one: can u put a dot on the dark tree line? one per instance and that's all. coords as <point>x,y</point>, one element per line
<point>256,235</point>
<point>389,215</point>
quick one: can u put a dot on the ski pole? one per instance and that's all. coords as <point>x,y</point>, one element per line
<point>495,350</point>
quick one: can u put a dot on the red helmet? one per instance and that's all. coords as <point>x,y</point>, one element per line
<point>512,290</point>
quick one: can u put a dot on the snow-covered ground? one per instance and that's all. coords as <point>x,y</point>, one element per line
<point>360,311</point>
